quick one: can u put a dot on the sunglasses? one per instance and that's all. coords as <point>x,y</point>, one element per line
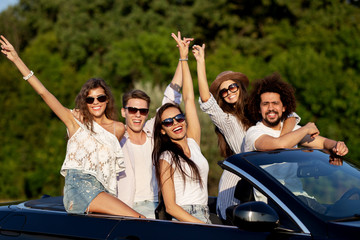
<point>225,91</point>
<point>168,122</point>
<point>134,110</point>
<point>101,98</point>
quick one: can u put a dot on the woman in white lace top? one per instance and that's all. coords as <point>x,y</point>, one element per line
<point>93,156</point>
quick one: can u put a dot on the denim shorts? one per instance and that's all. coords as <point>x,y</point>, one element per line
<point>79,190</point>
<point>201,212</point>
<point>146,208</point>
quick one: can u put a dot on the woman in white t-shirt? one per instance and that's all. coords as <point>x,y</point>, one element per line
<point>181,168</point>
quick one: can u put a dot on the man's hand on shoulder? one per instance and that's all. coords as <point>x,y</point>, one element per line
<point>312,130</point>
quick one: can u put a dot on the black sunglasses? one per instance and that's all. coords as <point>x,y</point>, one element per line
<point>168,122</point>
<point>101,98</point>
<point>134,110</point>
<point>225,91</point>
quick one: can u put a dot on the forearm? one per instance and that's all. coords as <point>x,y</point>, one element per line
<point>288,126</point>
<point>172,93</point>
<point>188,90</point>
<point>180,214</point>
<point>193,124</point>
<point>289,140</point>
<point>63,113</point>
<point>33,80</point>
<point>329,144</point>
<point>176,82</point>
<point>202,81</point>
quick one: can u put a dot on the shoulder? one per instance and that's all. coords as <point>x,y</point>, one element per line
<point>192,143</point>
<point>253,133</point>
<point>166,156</point>
<point>119,129</point>
<point>256,128</point>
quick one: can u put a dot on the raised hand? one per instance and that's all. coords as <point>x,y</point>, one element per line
<point>199,52</point>
<point>8,50</point>
<point>182,44</point>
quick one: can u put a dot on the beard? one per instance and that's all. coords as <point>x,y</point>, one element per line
<point>273,123</point>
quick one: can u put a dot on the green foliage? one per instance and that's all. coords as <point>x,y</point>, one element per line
<point>314,45</point>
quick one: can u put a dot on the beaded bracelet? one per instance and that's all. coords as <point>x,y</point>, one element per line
<point>28,76</point>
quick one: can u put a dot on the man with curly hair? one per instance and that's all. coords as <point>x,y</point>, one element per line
<point>270,103</point>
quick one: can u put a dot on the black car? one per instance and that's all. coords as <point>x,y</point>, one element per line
<point>306,194</point>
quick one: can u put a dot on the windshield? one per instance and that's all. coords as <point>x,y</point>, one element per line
<point>328,186</point>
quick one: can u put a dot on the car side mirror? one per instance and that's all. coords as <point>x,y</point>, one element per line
<point>255,216</point>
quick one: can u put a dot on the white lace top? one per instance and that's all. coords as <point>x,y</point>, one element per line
<point>97,153</point>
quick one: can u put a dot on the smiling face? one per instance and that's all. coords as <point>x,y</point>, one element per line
<point>178,130</point>
<point>232,97</point>
<point>271,109</point>
<point>97,108</point>
<point>135,121</point>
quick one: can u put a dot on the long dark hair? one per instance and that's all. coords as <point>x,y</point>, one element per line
<point>163,143</point>
<point>111,111</point>
<point>237,109</point>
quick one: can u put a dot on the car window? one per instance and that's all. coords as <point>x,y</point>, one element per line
<point>329,186</point>
<point>286,222</point>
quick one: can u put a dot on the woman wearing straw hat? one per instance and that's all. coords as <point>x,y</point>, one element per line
<point>225,103</point>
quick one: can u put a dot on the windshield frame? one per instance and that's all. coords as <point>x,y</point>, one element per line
<point>307,158</point>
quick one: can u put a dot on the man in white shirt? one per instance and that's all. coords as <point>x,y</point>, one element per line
<point>271,101</point>
<point>137,187</point>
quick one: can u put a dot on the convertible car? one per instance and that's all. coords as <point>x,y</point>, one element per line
<point>285,194</point>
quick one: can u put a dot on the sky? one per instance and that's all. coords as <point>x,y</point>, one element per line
<point>5,3</point>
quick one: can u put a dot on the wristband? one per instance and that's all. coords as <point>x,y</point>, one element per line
<point>183,59</point>
<point>28,76</point>
<point>175,86</point>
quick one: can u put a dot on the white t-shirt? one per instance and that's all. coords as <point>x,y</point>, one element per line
<point>257,131</point>
<point>145,181</point>
<point>285,173</point>
<point>191,192</point>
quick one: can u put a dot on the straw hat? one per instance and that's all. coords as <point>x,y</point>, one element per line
<point>228,75</point>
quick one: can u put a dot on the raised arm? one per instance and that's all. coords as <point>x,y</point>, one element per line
<point>176,82</point>
<point>199,53</point>
<point>63,113</point>
<point>192,119</point>
<point>173,91</point>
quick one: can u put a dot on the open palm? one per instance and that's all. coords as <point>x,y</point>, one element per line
<point>7,49</point>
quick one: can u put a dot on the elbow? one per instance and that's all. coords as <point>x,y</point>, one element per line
<point>282,146</point>
<point>171,209</point>
<point>188,100</point>
<point>43,92</point>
